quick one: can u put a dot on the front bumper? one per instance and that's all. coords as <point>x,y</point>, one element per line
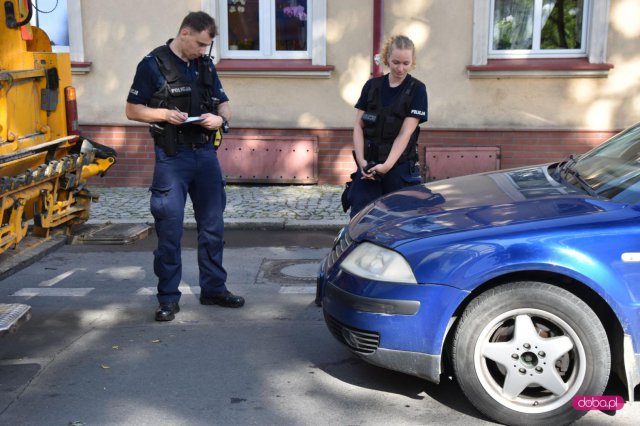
<point>396,326</point>
<point>366,345</point>
<point>371,304</point>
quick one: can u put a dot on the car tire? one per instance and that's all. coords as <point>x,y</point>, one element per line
<point>523,350</point>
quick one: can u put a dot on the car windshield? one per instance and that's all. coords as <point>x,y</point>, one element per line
<point>612,170</point>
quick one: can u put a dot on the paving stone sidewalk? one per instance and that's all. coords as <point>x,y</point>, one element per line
<point>277,206</point>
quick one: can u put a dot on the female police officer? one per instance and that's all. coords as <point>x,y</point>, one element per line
<point>385,135</point>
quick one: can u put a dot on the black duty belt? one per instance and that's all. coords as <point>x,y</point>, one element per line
<point>191,138</point>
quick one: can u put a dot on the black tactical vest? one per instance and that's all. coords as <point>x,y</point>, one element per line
<point>194,98</point>
<point>382,124</point>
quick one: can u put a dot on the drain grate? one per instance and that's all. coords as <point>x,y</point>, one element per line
<point>12,315</point>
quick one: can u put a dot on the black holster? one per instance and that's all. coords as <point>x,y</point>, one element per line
<point>166,137</point>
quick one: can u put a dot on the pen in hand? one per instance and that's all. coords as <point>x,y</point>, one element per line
<point>182,117</point>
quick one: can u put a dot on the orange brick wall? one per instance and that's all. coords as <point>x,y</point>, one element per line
<point>134,166</point>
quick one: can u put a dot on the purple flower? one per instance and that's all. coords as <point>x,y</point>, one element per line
<point>295,12</point>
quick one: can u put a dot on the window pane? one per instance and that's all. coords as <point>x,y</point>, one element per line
<point>244,24</point>
<point>562,24</point>
<point>291,25</point>
<point>52,18</point>
<point>513,24</point>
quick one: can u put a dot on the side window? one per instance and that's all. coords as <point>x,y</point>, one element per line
<point>266,29</point>
<point>538,28</point>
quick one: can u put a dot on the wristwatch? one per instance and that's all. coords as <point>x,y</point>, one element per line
<point>225,124</point>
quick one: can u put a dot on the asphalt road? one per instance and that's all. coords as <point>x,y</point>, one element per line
<point>92,353</point>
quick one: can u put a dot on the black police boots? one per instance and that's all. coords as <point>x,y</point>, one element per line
<point>167,311</point>
<point>226,299</point>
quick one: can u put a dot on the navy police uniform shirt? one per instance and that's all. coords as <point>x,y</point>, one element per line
<point>148,79</point>
<point>389,94</point>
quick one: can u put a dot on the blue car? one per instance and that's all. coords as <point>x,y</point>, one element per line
<point>523,284</point>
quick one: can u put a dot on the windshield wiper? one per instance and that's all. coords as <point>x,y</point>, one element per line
<point>568,170</point>
<point>565,167</point>
<point>564,164</point>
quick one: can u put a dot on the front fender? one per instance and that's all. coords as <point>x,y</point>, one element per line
<point>469,265</point>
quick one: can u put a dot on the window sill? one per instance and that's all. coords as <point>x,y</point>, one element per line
<point>538,68</point>
<point>80,67</point>
<point>272,68</point>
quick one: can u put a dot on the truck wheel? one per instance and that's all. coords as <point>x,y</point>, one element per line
<point>523,350</point>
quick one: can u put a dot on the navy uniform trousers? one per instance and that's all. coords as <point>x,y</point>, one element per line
<point>195,172</point>
<point>365,191</point>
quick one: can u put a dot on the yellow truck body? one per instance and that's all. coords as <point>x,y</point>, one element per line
<point>44,161</point>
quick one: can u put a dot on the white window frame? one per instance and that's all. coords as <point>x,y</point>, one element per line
<point>536,51</point>
<point>595,43</point>
<point>76,40</point>
<point>316,33</point>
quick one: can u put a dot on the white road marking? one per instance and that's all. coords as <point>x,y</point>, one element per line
<point>55,280</point>
<point>54,292</point>
<point>297,289</point>
<point>146,291</point>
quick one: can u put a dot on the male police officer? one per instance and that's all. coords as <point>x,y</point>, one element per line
<point>177,91</point>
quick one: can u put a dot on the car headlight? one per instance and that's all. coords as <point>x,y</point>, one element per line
<point>378,263</point>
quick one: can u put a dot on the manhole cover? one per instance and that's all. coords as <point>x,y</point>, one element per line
<point>291,271</point>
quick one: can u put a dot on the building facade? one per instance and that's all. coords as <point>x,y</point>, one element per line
<point>510,82</point>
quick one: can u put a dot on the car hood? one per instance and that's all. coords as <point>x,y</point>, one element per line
<point>494,199</point>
